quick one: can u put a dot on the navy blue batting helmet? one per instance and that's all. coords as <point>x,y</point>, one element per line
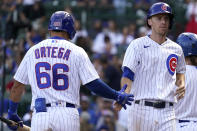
<point>188,42</point>
<point>62,21</point>
<point>160,8</point>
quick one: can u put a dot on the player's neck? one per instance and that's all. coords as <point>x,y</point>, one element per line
<point>59,34</point>
<point>158,38</point>
<point>191,60</point>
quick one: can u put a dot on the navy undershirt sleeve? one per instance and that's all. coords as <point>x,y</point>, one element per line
<point>100,88</point>
<point>128,73</point>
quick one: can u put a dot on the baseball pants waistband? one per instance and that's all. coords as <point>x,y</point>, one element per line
<point>66,104</point>
<point>158,104</point>
<point>182,121</point>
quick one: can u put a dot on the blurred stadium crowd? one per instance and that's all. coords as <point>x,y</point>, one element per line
<point>104,29</point>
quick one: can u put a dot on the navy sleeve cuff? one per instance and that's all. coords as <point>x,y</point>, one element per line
<point>128,73</point>
<point>13,106</point>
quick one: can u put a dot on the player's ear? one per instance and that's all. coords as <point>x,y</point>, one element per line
<point>49,32</point>
<point>150,22</point>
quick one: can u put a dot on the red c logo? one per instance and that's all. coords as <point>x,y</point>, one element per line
<point>164,7</point>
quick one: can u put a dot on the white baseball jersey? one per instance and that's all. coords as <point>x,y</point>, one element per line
<point>54,68</point>
<point>186,108</point>
<point>155,67</point>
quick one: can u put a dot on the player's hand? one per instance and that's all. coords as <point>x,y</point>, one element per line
<point>14,117</point>
<point>180,92</point>
<point>116,106</point>
<point>123,99</point>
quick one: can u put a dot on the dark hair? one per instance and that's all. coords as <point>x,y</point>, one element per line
<point>107,39</point>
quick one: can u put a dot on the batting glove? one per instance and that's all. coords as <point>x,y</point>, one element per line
<point>14,117</point>
<point>123,98</point>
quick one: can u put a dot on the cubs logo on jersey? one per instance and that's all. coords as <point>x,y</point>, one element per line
<point>171,63</point>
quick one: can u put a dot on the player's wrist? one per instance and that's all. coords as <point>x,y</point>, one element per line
<point>116,96</point>
<point>12,107</point>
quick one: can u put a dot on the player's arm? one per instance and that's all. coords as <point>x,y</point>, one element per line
<point>180,83</point>
<point>102,89</point>
<point>130,63</point>
<point>180,77</point>
<point>17,91</point>
<point>127,78</point>
<point>128,82</point>
<point>20,78</point>
<point>15,96</point>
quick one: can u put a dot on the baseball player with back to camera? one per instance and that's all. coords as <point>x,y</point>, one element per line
<point>186,108</point>
<point>153,68</point>
<point>54,68</point>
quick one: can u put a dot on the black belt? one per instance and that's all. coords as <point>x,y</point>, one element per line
<point>67,105</point>
<point>182,121</point>
<point>160,104</point>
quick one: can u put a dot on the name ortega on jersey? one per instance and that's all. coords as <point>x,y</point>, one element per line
<point>52,52</point>
<point>171,63</point>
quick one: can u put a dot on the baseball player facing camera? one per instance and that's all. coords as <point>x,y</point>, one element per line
<point>54,68</point>
<point>153,68</point>
<point>186,108</point>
